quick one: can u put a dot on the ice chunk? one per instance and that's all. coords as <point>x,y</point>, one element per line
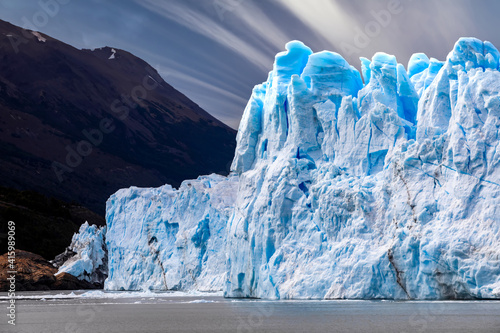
<point>423,79</point>
<point>290,62</point>
<point>417,64</point>
<point>365,69</point>
<point>90,261</point>
<point>327,73</point>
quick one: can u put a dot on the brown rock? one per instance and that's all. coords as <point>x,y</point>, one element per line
<point>36,273</point>
<point>66,281</point>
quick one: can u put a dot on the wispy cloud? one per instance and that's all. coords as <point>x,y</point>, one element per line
<point>215,55</point>
<point>425,23</point>
<point>210,26</point>
<point>327,18</point>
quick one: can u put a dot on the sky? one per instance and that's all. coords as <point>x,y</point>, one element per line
<point>215,51</point>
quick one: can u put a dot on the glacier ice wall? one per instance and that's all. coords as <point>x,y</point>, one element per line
<point>383,190</point>
<point>380,185</point>
<point>90,260</point>
<point>164,238</point>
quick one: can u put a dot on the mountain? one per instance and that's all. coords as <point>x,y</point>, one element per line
<point>387,188</point>
<point>78,125</point>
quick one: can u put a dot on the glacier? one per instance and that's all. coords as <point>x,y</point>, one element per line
<point>372,184</point>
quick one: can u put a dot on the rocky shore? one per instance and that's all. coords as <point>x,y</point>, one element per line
<point>36,273</point>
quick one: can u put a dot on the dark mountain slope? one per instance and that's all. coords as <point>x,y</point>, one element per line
<point>42,225</point>
<point>80,124</point>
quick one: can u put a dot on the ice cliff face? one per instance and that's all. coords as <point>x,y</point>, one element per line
<point>387,190</point>
<point>164,238</point>
<point>89,260</point>
<point>344,189</point>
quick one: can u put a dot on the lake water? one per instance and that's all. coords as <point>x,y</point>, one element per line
<point>100,312</point>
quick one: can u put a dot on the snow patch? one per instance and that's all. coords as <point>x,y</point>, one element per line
<point>39,37</point>
<point>112,56</point>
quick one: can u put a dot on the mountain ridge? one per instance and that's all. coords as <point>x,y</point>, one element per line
<point>80,124</point>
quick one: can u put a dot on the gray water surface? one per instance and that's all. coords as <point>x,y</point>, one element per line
<point>216,314</point>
